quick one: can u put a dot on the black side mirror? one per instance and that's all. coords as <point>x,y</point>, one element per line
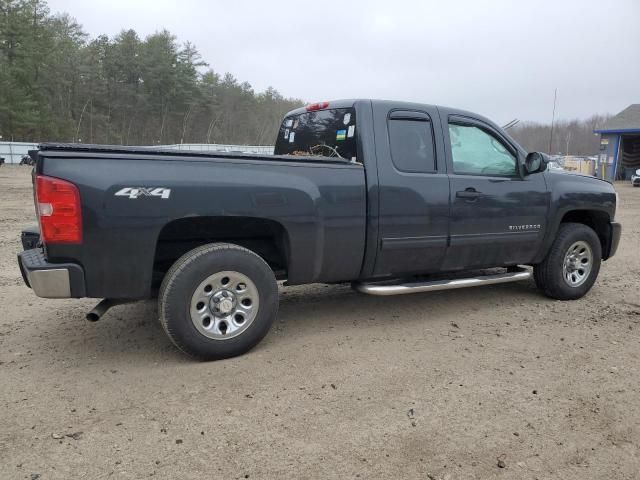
<point>536,162</point>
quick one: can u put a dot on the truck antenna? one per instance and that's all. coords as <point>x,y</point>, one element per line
<point>511,124</point>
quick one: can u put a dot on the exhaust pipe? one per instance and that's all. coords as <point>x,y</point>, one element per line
<point>101,308</point>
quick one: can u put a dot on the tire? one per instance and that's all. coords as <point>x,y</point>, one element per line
<point>550,275</point>
<point>207,318</point>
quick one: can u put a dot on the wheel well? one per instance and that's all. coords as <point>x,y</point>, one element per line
<point>267,238</point>
<point>598,221</point>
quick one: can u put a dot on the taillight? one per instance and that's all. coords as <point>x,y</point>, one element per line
<point>58,204</point>
<point>317,106</point>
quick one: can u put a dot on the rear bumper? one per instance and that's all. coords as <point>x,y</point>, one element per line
<point>616,231</point>
<point>30,237</point>
<point>51,280</point>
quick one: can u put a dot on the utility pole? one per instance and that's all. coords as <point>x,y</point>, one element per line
<point>553,117</point>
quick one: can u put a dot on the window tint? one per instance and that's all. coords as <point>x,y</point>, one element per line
<point>476,152</point>
<point>412,148</point>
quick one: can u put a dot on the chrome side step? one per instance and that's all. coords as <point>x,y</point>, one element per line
<point>390,288</point>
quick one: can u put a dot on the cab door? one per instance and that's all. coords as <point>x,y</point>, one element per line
<point>498,217</point>
<point>413,191</point>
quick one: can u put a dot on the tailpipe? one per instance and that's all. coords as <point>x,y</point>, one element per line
<point>101,308</point>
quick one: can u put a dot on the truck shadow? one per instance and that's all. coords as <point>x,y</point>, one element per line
<point>308,307</point>
<point>133,331</point>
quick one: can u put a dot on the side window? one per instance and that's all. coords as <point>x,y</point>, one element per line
<point>412,147</point>
<point>476,152</point>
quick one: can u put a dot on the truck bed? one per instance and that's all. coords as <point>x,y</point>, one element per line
<point>306,213</point>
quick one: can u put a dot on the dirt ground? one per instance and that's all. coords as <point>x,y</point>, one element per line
<point>440,385</point>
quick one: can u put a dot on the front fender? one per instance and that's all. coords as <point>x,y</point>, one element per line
<point>576,196</point>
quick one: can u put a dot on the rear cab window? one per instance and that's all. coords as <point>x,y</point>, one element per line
<point>412,145</point>
<point>328,133</point>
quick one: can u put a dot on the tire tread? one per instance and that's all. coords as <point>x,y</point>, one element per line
<point>546,274</point>
<point>164,300</point>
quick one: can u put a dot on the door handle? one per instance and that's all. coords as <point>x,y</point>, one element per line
<point>469,194</point>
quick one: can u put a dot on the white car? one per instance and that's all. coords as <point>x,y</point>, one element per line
<point>635,178</point>
<point>554,166</point>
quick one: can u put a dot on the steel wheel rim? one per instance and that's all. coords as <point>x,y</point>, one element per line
<point>224,305</point>
<point>577,264</point>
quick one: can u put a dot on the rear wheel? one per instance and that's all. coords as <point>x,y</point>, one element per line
<point>572,264</point>
<point>218,301</point>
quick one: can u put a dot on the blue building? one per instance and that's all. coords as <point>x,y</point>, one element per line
<point>620,145</point>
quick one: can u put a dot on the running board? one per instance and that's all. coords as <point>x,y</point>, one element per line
<point>388,288</point>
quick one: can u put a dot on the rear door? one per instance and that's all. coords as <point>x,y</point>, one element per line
<point>497,217</point>
<point>413,190</point>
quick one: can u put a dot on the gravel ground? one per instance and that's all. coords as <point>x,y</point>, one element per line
<point>492,382</point>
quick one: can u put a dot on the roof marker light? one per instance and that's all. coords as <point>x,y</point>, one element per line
<point>317,106</point>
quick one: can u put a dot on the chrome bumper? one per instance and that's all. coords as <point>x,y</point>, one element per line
<point>52,283</point>
<point>51,280</point>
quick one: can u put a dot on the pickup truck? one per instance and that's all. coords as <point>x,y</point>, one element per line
<point>393,197</point>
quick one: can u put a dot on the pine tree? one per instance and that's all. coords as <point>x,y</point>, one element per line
<point>56,84</point>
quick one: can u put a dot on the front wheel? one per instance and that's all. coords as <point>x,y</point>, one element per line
<point>218,301</point>
<point>572,264</point>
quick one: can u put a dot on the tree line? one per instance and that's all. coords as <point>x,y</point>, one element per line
<point>572,137</point>
<point>57,84</point>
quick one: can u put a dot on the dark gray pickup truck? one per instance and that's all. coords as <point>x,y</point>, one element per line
<point>393,197</point>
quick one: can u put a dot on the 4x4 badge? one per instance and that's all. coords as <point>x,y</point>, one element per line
<point>136,192</point>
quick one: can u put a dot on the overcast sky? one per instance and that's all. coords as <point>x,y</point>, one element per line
<point>499,58</point>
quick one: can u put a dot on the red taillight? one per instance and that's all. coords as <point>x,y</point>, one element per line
<point>58,204</point>
<point>317,106</point>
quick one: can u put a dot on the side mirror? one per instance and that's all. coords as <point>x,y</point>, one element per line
<point>536,162</point>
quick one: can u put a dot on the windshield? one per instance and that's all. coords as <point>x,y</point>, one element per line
<point>324,133</point>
